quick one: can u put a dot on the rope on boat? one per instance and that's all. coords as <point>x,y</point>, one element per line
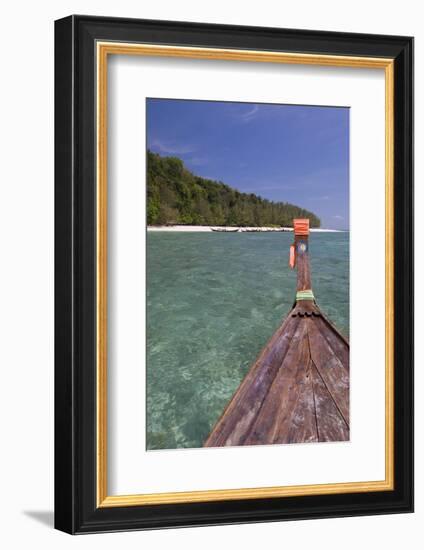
<point>304,295</point>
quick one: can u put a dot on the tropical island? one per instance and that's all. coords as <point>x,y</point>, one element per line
<point>176,196</point>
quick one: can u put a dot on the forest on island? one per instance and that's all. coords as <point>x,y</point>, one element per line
<point>177,196</point>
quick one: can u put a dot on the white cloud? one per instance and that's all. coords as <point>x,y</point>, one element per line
<point>250,115</point>
<point>172,147</point>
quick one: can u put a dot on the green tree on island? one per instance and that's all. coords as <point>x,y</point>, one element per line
<point>177,196</point>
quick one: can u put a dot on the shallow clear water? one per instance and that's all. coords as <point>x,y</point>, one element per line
<point>213,301</point>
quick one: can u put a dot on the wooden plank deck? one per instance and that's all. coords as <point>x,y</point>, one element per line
<point>297,391</point>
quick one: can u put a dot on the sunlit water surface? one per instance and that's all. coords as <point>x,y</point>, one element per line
<point>213,301</point>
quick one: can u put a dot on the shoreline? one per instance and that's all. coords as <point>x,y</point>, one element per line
<point>208,229</point>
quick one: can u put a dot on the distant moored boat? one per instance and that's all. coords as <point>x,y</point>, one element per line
<point>225,229</point>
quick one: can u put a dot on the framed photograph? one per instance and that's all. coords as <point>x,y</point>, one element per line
<point>234,274</point>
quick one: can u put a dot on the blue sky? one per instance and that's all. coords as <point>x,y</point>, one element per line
<point>290,153</point>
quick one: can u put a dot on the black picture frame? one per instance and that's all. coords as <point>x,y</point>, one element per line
<point>76,510</point>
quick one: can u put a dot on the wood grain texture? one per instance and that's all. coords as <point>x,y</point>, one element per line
<point>302,263</point>
<point>331,425</point>
<point>240,413</point>
<point>335,340</point>
<point>296,392</point>
<point>334,374</point>
<point>283,395</point>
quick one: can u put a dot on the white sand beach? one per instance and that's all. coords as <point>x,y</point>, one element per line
<point>207,229</point>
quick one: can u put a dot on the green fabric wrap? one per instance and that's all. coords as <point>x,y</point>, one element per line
<point>304,295</point>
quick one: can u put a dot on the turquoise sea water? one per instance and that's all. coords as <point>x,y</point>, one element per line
<point>213,301</point>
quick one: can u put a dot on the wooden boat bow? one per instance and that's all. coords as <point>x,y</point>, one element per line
<point>297,391</point>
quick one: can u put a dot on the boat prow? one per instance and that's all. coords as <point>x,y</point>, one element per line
<point>297,390</point>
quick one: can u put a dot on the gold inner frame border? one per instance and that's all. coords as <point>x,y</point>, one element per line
<point>103,50</point>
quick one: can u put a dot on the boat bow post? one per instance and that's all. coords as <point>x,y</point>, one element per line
<point>305,303</point>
